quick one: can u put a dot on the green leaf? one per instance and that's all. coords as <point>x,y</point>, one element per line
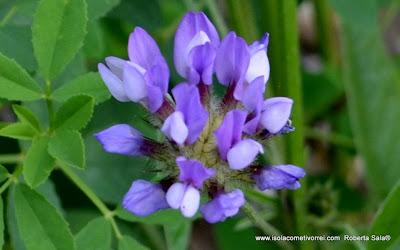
<point>3,173</point>
<point>26,116</point>
<point>96,235</point>
<point>95,42</point>
<point>75,113</point>
<point>12,227</point>
<point>89,84</point>
<point>373,92</point>
<point>16,83</point>
<point>15,42</point>
<point>59,28</point>
<point>38,163</point>
<point>1,223</point>
<point>162,217</point>
<point>98,8</point>
<point>18,130</point>
<point>128,243</point>
<point>68,147</point>
<point>178,234</point>
<point>387,220</point>
<point>40,224</point>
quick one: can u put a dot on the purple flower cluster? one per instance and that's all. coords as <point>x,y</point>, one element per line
<point>211,144</point>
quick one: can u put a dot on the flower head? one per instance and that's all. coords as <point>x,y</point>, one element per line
<point>210,145</point>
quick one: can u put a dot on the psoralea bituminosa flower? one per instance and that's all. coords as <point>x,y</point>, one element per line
<point>211,144</point>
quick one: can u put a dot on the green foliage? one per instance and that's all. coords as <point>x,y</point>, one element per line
<point>1,222</point>
<point>38,163</point>
<point>96,235</point>
<point>73,154</point>
<point>59,28</point>
<point>20,131</point>
<point>16,83</point>
<point>75,113</point>
<point>89,84</point>
<point>127,243</point>
<point>3,173</point>
<point>37,219</point>
<point>15,42</point>
<point>26,116</point>
<point>98,8</point>
<point>373,91</point>
<point>387,220</point>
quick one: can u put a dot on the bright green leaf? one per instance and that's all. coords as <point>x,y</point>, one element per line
<point>1,223</point>
<point>98,8</point>
<point>18,130</point>
<point>38,163</point>
<point>75,113</point>
<point>40,224</point>
<point>89,84</point>
<point>68,147</point>
<point>59,28</point>
<point>96,235</point>
<point>387,220</point>
<point>16,83</point>
<point>26,116</point>
<point>3,173</point>
<point>128,243</point>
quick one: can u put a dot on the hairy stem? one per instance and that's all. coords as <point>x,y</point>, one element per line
<point>264,226</point>
<point>108,214</point>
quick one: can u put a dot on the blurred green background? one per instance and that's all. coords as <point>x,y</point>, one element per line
<point>338,59</point>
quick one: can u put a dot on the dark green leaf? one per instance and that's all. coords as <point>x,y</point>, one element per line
<point>41,226</point>
<point>387,220</point>
<point>75,113</point>
<point>19,12</point>
<point>96,235</point>
<point>178,234</point>
<point>16,83</point>
<point>162,217</point>
<point>48,190</point>
<point>95,42</point>
<point>19,130</point>
<point>1,223</point>
<point>12,227</point>
<point>15,42</point>
<point>68,147</point>
<point>89,84</point>
<point>373,92</point>
<point>128,243</point>
<point>3,173</point>
<point>26,116</point>
<point>38,163</point>
<point>59,28</point>
<point>98,8</point>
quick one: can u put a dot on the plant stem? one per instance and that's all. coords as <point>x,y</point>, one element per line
<point>49,102</point>
<point>264,226</point>
<point>108,214</point>
<point>291,86</point>
<point>216,16</point>
<point>12,178</point>
<point>11,158</point>
<point>325,31</point>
